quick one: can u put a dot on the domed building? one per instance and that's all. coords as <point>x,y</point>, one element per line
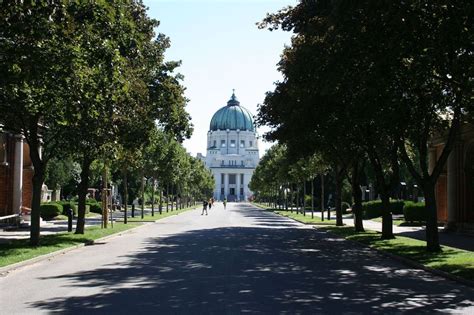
<point>232,151</point>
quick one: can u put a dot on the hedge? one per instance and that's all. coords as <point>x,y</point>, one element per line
<point>414,211</point>
<point>373,209</point>
<point>50,210</point>
<point>74,206</point>
<point>94,206</point>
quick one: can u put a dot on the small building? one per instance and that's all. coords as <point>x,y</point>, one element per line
<point>455,186</point>
<point>16,173</point>
<point>232,151</point>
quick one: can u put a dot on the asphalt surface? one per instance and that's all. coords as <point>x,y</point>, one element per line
<point>236,261</point>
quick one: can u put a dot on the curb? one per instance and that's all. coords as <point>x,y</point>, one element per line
<point>410,263</point>
<point>4,271</point>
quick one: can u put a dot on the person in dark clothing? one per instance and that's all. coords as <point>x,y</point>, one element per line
<point>204,207</point>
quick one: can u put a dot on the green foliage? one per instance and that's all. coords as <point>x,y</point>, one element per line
<point>50,210</point>
<point>414,211</point>
<point>94,206</point>
<point>61,171</point>
<point>373,209</point>
<point>396,206</point>
<point>67,205</point>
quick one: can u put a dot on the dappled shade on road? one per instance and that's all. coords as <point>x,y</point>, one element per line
<point>268,269</point>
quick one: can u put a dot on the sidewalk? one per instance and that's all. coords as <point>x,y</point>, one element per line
<point>53,227</point>
<point>460,241</point>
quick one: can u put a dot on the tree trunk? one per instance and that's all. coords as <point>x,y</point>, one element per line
<point>167,197</point>
<point>143,196</point>
<point>387,222</point>
<point>322,197</point>
<point>153,198</point>
<point>297,201</point>
<point>82,192</point>
<point>432,237</point>
<point>105,198</point>
<point>357,195</point>
<point>338,197</point>
<point>38,179</point>
<point>125,197</point>
<point>312,198</point>
<point>160,204</point>
<point>304,198</point>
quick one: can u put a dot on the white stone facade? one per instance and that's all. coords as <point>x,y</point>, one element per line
<point>232,156</point>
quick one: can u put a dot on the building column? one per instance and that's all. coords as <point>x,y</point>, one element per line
<point>454,187</point>
<point>18,176</point>
<point>244,185</point>
<point>217,191</point>
<point>237,181</point>
<point>226,185</point>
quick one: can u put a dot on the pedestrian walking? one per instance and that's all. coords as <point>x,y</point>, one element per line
<point>204,207</point>
<point>209,203</point>
<point>225,202</point>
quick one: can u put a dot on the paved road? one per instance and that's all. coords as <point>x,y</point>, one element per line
<point>235,261</point>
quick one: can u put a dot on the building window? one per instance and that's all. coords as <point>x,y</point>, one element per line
<point>232,179</point>
<point>222,162</point>
<point>215,143</point>
<point>222,178</point>
<point>232,143</point>
<point>222,191</point>
<point>250,143</point>
<point>242,163</point>
<point>242,143</point>
<point>241,191</point>
<point>223,143</point>
<point>242,179</point>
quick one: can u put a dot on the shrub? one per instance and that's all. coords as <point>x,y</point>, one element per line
<point>95,207</point>
<point>397,206</point>
<point>414,211</point>
<point>74,207</point>
<point>373,209</point>
<point>66,206</point>
<point>50,210</point>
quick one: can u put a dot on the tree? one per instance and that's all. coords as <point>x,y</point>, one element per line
<point>399,71</point>
<point>36,55</point>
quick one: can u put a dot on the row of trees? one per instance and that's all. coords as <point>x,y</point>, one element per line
<point>87,79</point>
<point>373,80</point>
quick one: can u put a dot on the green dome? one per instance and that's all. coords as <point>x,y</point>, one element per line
<point>232,117</point>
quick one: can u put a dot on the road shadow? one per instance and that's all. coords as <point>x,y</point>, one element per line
<point>239,270</point>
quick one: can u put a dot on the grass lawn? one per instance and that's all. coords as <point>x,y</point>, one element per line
<point>157,216</point>
<point>455,261</point>
<point>306,219</point>
<point>20,250</point>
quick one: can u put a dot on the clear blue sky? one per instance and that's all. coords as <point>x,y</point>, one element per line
<point>221,49</point>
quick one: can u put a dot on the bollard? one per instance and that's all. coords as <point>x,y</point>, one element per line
<point>133,211</point>
<point>69,220</point>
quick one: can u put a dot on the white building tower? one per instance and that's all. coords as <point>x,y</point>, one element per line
<point>232,151</point>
